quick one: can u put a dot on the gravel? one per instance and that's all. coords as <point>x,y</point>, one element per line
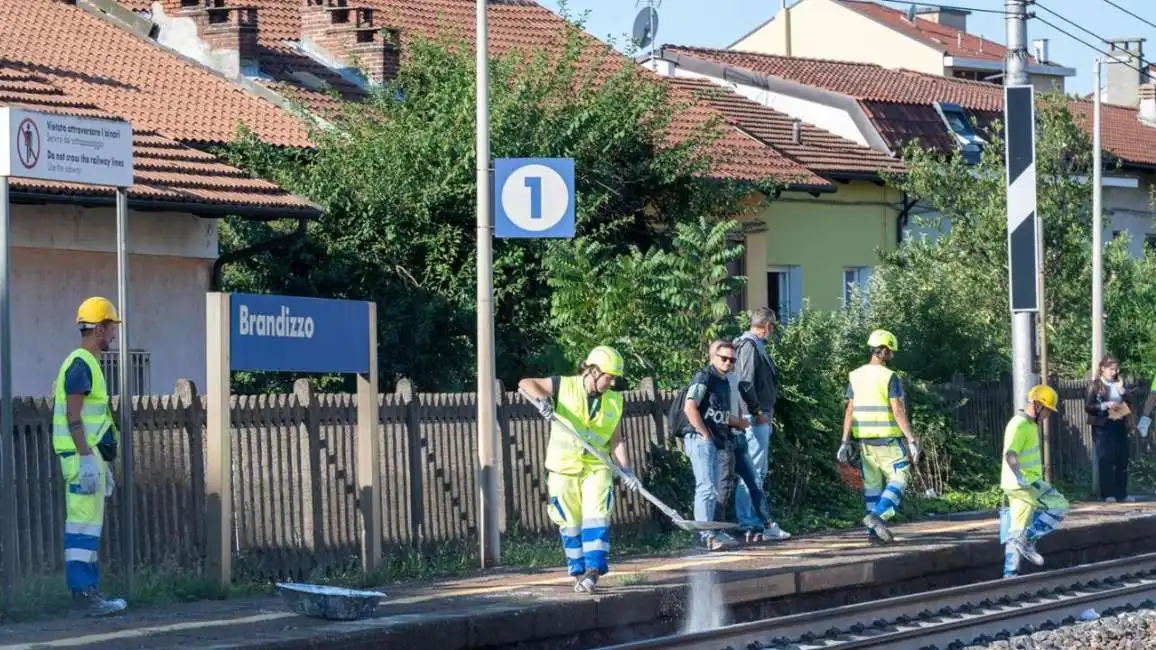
<point>1115,630</point>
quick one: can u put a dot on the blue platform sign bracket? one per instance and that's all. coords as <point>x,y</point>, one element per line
<point>534,198</point>
<point>288,333</point>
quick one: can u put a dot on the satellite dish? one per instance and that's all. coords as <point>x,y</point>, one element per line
<point>645,26</point>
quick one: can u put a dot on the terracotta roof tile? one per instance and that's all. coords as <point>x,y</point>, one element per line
<point>156,90</point>
<point>950,40</point>
<point>817,149</point>
<point>163,170</point>
<point>900,102</point>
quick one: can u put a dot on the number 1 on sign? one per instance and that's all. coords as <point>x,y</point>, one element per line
<point>535,185</point>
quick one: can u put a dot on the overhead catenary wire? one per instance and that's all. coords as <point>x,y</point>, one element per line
<point>1112,57</point>
<point>1146,22</point>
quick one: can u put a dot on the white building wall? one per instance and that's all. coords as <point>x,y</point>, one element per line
<point>62,255</point>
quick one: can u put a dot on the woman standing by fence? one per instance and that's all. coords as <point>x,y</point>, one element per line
<point>1108,416</point>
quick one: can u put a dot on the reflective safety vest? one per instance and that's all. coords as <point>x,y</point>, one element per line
<point>872,416</point>
<point>564,455</point>
<point>95,414</point>
<point>1022,435</point>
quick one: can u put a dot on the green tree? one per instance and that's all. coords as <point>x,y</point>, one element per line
<point>947,298</point>
<point>659,308</point>
<point>395,175</point>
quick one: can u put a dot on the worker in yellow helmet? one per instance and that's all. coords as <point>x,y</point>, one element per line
<point>579,485</point>
<point>85,439</point>
<point>876,416</point>
<point>1035,508</point>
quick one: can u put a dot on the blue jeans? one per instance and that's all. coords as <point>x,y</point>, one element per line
<point>751,484</point>
<point>704,461</point>
<point>758,442</point>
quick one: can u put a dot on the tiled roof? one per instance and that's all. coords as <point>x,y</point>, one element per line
<point>817,149</point>
<point>512,24</point>
<point>164,171</point>
<point>97,62</point>
<point>900,102</point>
<point>951,41</point>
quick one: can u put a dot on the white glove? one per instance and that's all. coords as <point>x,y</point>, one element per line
<point>913,451</point>
<point>844,454</point>
<point>545,408</point>
<point>89,474</point>
<point>1143,424</point>
<point>109,482</point>
<point>629,479</point>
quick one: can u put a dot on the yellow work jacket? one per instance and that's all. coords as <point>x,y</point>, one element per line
<point>564,455</point>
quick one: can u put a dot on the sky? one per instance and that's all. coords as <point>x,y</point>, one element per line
<point>689,22</point>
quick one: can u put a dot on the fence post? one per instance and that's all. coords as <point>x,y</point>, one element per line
<point>412,403</point>
<point>505,481</point>
<point>650,392</point>
<point>193,410</point>
<point>309,437</point>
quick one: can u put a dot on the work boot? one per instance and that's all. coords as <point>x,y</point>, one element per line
<point>95,604</point>
<point>1027,550</point>
<point>587,582</point>
<point>875,524</point>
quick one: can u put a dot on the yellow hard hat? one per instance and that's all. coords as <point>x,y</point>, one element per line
<point>883,338</point>
<point>1045,395</point>
<point>607,359</point>
<point>95,311</point>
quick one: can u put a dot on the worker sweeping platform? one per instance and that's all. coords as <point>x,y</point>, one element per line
<point>876,416</point>
<point>1035,508</point>
<point>85,439</point>
<point>579,483</point>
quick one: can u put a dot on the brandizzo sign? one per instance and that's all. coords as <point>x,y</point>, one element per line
<point>287,333</point>
<point>285,324</point>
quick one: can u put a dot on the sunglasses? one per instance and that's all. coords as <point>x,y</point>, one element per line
<point>727,359</point>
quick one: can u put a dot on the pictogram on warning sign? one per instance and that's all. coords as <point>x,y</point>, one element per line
<point>28,143</point>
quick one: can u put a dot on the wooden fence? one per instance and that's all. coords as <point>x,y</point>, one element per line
<point>295,502</point>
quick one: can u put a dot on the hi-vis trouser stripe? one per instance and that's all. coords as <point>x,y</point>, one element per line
<point>580,504</point>
<point>1019,116</point>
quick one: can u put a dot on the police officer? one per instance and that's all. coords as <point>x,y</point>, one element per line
<point>85,439</point>
<point>708,440</point>
<point>579,485</point>
<point>876,416</point>
<point>1035,508</point>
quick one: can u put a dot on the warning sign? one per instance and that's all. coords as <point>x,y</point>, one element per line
<point>54,147</point>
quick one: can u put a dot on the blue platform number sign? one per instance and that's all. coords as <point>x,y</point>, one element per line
<point>534,198</point>
<point>287,333</point>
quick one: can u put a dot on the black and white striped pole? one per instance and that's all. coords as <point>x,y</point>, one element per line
<point>1022,219</point>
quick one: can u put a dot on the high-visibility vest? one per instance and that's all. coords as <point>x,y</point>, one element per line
<point>872,416</point>
<point>95,414</point>
<point>1022,436</point>
<point>564,455</point>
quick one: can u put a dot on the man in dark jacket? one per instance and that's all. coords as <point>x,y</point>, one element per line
<point>758,382</point>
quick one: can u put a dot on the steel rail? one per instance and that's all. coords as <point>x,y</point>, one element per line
<point>935,617</point>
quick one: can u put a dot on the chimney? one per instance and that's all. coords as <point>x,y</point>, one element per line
<point>347,36</point>
<point>1123,81</point>
<point>1147,112</point>
<point>1040,50</point>
<point>796,131</point>
<point>956,18</point>
<point>228,28</point>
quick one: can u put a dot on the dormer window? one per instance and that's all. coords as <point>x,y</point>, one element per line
<point>955,119</point>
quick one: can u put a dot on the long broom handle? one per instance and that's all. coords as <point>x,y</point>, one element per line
<point>667,510</point>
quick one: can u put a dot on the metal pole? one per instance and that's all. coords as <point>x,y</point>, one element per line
<point>1042,342</point>
<point>124,374</point>
<point>488,503</point>
<point>1015,74</point>
<point>7,429</point>
<point>1097,224</point>
<point>1097,248</point>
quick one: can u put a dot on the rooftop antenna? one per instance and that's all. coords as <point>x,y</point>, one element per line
<point>645,26</point>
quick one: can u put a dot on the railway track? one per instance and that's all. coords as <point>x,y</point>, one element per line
<point>944,618</point>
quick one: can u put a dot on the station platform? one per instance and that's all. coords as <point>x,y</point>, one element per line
<point>640,598</point>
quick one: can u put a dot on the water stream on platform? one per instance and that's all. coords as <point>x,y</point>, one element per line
<point>706,609</point>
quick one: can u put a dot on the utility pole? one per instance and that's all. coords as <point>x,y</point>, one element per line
<point>1097,223</point>
<point>1021,199</point>
<point>488,503</point>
